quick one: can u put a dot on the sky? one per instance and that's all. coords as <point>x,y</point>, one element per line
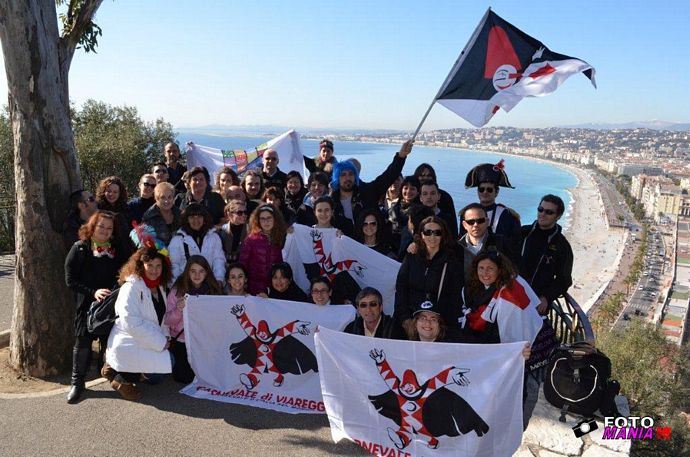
<point>373,65</point>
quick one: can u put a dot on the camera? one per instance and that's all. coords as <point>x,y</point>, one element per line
<point>584,427</point>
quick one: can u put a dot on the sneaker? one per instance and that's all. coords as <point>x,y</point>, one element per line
<point>399,440</point>
<point>278,381</point>
<point>108,372</point>
<point>127,390</point>
<point>433,443</point>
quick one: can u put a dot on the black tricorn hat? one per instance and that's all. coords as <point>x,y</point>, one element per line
<point>488,172</point>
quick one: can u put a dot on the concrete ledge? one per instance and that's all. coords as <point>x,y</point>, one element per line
<point>4,338</point>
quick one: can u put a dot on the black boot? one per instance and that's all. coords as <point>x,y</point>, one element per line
<point>80,365</point>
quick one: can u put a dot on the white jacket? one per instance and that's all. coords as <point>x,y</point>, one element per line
<point>211,249</point>
<point>136,342</point>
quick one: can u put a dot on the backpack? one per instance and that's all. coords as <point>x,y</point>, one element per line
<point>577,379</point>
<point>101,315</point>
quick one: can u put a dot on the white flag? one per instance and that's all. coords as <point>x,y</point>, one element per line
<point>286,145</point>
<point>431,399</point>
<point>256,351</point>
<point>322,253</point>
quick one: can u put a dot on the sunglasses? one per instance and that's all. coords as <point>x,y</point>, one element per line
<point>429,232</point>
<point>488,190</point>
<point>477,221</point>
<point>373,223</point>
<point>371,304</point>
<point>146,184</point>
<point>549,212</point>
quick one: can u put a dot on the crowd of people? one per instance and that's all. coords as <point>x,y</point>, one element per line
<point>225,235</point>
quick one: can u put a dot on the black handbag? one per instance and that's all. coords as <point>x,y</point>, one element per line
<point>101,316</point>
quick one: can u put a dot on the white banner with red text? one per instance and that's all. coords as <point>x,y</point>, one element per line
<point>257,351</point>
<point>404,398</point>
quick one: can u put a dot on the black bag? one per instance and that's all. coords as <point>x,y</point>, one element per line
<point>577,378</point>
<point>101,315</point>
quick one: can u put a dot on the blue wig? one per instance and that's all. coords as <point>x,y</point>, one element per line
<point>338,168</point>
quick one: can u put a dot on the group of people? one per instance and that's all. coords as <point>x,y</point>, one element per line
<point>183,235</point>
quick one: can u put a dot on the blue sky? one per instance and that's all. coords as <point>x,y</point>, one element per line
<point>364,64</point>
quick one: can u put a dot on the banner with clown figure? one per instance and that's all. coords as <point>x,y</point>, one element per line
<point>349,265</point>
<point>412,398</point>
<point>257,351</point>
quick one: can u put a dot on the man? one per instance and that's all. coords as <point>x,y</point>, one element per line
<point>200,192</point>
<point>82,206</point>
<point>271,174</point>
<point>430,196</point>
<point>370,320</point>
<point>323,161</point>
<point>350,195</point>
<point>235,193</point>
<point>547,258</point>
<point>175,168</point>
<point>138,206</point>
<point>479,238</point>
<point>487,178</point>
<point>160,172</point>
<point>425,172</point>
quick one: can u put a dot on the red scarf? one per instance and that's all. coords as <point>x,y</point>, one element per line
<point>151,283</point>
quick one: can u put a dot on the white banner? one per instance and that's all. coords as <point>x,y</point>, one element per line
<point>320,250</point>
<point>256,351</point>
<point>286,145</point>
<point>402,398</point>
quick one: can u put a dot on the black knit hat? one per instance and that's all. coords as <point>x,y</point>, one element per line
<point>487,172</point>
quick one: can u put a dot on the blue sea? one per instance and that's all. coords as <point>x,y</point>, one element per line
<point>531,179</point>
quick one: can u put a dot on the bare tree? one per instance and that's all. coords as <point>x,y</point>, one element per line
<point>37,62</point>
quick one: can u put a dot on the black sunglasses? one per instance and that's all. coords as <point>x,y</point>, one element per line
<point>488,190</point>
<point>549,212</point>
<point>369,223</point>
<point>146,184</point>
<point>479,220</point>
<point>429,232</point>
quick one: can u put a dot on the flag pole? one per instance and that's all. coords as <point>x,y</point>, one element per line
<point>456,66</point>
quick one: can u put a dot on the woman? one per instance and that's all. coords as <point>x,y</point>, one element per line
<point>326,218</point>
<point>225,178</point>
<point>111,195</point>
<point>274,196</point>
<point>138,343</point>
<point>234,231</point>
<point>196,279</point>
<point>318,186</point>
<point>432,273</point>
<point>320,291</point>
<point>163,216</point>
<point>253,186</point>
<point>294,190</point>
<point>323,161</point>
<point>91,270</point>
<point>197,236</point>
<point>371,232</point>
<point>429,325</point>
<point>263,246</point>
<point>399,212</point>
<point>236,280</point>
<point>283,286</point>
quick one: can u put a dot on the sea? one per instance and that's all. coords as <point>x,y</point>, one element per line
<point>532,179</point>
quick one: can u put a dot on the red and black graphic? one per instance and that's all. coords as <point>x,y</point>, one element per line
<point>430,409</point>
<point>271,352</point>
<point>325,262</point>
<point>498,59</point>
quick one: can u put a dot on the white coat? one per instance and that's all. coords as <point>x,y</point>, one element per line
<point>136,342</point>
<point>211,249</point>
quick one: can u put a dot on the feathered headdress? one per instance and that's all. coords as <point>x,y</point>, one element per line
<point>143,235</point>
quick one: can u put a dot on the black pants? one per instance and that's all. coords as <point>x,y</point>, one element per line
<point>182,371</point>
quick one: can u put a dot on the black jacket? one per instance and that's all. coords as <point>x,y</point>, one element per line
<point>154,218</point>
<point>138,206</point>
<point>278,179</point>
<point>388,328</point>
<point>292,293</point>
<point>418,280</point>
<point>212,201</point>
<point>368,194</point>
<point>547,261</point>
<point>493,242</point>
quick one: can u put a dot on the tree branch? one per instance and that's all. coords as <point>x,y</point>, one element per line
<point>79,21</point>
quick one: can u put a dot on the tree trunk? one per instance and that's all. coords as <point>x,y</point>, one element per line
<point>46,171</point>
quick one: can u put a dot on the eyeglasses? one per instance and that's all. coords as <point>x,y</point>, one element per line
<point>149,185</point>
<point>430,232</point>
<point>372,223</point>
<point>477,221</point>
<point>549,212</point>
<point>319,291</point>
<point>488,190</point>
<point>371,304</point>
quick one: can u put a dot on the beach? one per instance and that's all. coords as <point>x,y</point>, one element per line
<point>596,247</point>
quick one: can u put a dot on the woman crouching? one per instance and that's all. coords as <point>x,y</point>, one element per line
<point>138,343</point>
